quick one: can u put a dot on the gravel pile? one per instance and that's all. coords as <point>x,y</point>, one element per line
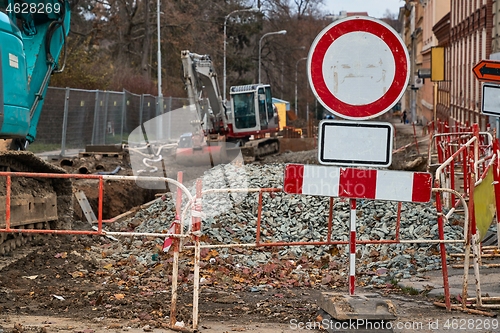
<point>231,218</point>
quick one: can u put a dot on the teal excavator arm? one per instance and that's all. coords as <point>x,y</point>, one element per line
<point>32,37</point>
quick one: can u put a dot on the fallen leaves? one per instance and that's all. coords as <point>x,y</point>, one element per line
<point>119,296</point>
<point>108,266</point>
<point>77,274</point>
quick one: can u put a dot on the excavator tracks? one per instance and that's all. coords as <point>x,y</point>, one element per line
<point>36,203</point>
<point>258,149</point>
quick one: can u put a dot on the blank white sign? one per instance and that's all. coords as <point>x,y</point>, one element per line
<point>365,143</point>
<point>491,99</point>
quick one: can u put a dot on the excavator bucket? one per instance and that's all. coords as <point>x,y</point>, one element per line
<point>209,155</point>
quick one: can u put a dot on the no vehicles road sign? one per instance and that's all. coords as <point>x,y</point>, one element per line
<point>358,67</point>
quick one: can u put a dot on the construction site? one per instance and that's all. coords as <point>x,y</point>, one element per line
<point>221,213</point>
<point>266,260</point>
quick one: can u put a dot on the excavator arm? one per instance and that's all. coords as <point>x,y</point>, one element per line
<point>32,37</point>
<point>200,79</point>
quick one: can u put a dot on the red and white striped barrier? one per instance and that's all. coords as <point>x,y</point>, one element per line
<point>357,183</point>
<point>352,248</point>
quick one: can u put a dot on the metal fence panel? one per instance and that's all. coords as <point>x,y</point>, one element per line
<point>49,128</point>
<point>133,115</point>
<point>74,118</point>
<point>80,117</point>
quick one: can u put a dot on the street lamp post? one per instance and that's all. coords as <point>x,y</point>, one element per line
<point>160,95</point>
<point>159,110</point>
<point>281,32</point>
<point>225,38</point>
<point>296,66</point>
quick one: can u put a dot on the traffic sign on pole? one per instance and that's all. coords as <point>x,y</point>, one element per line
<point>490,103</point>
<point>358,67</point>
<point>487,71</point>
<point>355,143</point>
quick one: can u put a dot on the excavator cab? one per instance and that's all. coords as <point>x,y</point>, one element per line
<point>253,110</point>
<point>248,125</point>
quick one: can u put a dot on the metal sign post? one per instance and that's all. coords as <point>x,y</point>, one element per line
<point>355,86</point>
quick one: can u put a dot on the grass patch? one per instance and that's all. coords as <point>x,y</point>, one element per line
<point>43,147</point>
<point>410,291</point>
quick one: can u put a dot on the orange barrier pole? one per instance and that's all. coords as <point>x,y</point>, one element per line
<point>196,230</point>
<point>99,205</point>
<point>259,219</point>
<point>439,150</point>
<point>176,248</point>
<point>442,248</point>
<point>496,177</point>
<point>452,175</point>
<point>330,217</point>
<point>465,171</point>
<point>473,234</point>
<point>7,203</point>
<point>415,137</point>
<point>398,221</point>
<point>352,248</point>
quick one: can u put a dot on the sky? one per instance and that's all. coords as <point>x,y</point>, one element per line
<point>375,8</point>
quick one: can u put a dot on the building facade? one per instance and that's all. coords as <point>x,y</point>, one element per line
<point>433,12</point>
<point>471,26</point>
<point>469,32</point>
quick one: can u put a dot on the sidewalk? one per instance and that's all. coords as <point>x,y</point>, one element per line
<point>406,133</point>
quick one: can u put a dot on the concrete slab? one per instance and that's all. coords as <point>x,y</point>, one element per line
<point>362,306</point>
<point>332,325</point>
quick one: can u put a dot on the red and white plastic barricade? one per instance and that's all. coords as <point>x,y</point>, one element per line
<point>355,184</point>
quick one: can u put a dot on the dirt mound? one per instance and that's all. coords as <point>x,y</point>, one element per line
<point>119,196</point>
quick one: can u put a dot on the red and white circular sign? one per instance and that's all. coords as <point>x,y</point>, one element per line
<point>358,67</point>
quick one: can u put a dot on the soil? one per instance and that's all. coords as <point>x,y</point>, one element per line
<point>68,283</point>
<point>65,285</point>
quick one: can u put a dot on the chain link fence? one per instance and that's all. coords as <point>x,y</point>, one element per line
<point>74,118</point>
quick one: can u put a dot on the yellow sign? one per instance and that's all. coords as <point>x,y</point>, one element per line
<point>437,64</point>
<point>484,204</point>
